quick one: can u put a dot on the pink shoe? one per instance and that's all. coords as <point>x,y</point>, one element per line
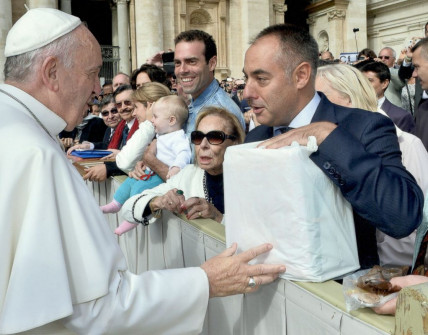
<point>124,227</point>
<point>112,207</point>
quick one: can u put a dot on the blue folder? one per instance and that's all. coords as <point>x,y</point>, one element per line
<point>90,153</point>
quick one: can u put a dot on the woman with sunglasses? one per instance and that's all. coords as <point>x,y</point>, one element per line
<point>197,190</point>
<point>111,118</point>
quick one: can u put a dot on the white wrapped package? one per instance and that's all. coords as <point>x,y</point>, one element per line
<point>281,197</point>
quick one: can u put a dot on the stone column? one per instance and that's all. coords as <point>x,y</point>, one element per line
<point>336,18</point>
<point>148,29</point>
<point>65,6</point>
<point>123,35</point>
<point>5,25</point>
<point>279,10</point>
<point>42,4</point>
<point>114,28</point>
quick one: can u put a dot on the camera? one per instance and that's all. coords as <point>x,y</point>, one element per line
<point>168,62</point>
<point>241,86</point>
<point>355,30</point>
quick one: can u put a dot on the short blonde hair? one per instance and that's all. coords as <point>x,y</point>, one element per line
<point>350,83</point>
<point>232,122</point>
<point>175,107</point>
<point>150,92</point>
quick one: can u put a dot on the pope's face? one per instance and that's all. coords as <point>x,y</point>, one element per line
<point>77,83</point>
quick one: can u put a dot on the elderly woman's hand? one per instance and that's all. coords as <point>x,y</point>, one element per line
<point>196,208</point>
<point>171,201</point>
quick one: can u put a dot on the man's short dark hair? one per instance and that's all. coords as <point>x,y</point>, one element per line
<point>369,53</point>
<point>107,83</point>
<point>423,43</point>
<point>297,46</point>
<point>106,100</point>
<point>380,69</point>
<point>199,35</point>
<point>122,88</point>
<point>155,73</point>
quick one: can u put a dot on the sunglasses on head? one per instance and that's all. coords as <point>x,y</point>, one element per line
<point>384,57</point>
<point>106,113</point>
<point>215,137</point>
<point>125,103</point>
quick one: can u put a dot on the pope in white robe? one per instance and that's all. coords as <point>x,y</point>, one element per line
<point>59,259</point>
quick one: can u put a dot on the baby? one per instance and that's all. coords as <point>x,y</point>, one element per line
<point>172,148</point>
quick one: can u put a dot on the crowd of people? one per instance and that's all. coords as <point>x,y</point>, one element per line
<point>169,134</point>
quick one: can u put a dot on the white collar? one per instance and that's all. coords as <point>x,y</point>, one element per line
<point>380,102</point>
<point>307,113</point>
<point>51,121</point>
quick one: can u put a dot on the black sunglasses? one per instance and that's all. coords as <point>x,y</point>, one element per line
<point>125,103</point>
<point>384,57</point>
<point>214,137</point>
<point>106,113</point>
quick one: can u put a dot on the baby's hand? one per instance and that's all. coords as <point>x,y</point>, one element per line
<point>172,171</point>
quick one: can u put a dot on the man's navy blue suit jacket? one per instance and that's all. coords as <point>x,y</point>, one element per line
<point>362,157</point>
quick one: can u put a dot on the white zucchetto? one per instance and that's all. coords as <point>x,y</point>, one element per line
<point>37,28</point>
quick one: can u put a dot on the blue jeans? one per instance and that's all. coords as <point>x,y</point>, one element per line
<point>132,187</point>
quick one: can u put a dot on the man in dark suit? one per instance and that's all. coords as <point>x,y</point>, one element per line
<point>379,76</point>
<point>357,150</point>
<point>406,71</point>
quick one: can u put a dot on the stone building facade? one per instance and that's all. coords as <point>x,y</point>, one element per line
<point>140,28</point>
<point>380,23</point>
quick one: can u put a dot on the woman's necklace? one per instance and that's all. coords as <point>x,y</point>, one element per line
<point>29,111</point>
<point>204,183</point>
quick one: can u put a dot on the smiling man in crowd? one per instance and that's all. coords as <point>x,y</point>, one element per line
<point>195,60</point>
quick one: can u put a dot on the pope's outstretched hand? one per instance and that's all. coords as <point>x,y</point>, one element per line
<point>229,273</point>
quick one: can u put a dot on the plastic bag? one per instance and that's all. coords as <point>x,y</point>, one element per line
<point>281,197</point>
<point>370,287</point>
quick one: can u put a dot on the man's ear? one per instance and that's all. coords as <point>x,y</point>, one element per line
<point>49,73</point>
<point>302,75</point>
<point>212,63</point>
<point>384,84</point>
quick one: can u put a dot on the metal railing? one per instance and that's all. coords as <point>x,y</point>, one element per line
<point>283,307</point>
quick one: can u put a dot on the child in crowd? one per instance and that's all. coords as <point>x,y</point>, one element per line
<point>172,148</point>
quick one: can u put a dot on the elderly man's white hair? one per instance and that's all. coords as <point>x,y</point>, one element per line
<point>39,33</point>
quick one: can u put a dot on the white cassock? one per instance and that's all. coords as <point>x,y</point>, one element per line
<point>59,262</point>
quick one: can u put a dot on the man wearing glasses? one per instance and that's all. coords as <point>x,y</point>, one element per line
<point>123,101</point>
<point>111,118</point>
<point>393,93</point>
<point>124,130</point>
